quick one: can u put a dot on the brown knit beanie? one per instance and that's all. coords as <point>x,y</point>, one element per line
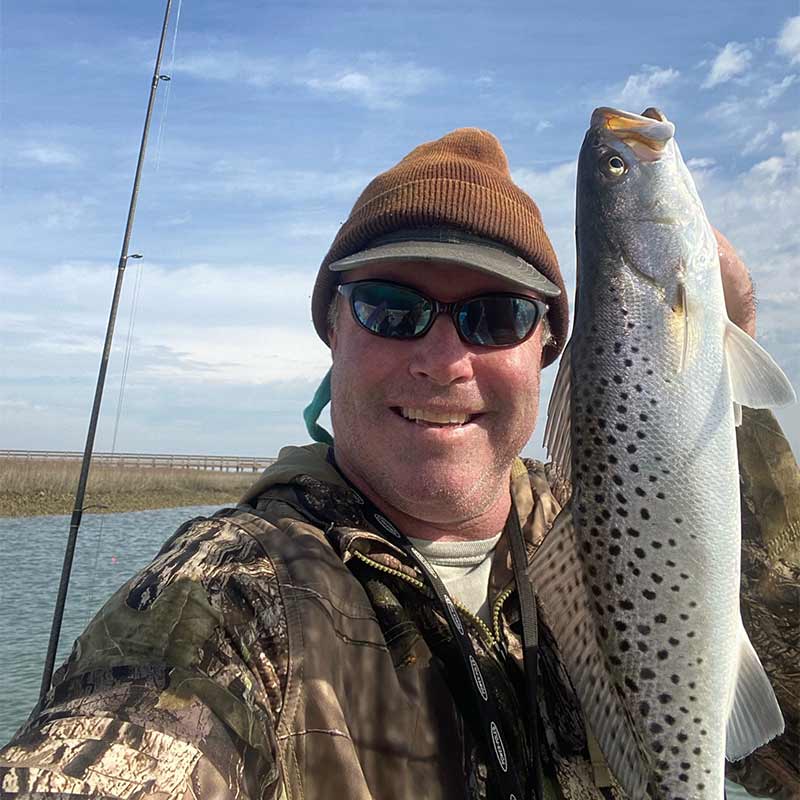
<point>460,181</point>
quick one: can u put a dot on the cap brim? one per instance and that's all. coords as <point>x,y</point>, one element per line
<point>487,259</point>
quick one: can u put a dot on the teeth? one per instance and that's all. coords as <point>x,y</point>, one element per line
<point>438,417</point>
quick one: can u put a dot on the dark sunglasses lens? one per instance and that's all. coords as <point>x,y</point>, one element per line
<point>498,321</point>
<point>390,311</point>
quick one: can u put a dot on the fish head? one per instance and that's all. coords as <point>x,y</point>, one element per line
<point>636,200</point>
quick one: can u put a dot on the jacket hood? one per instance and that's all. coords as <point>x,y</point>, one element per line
<point>293,462</point>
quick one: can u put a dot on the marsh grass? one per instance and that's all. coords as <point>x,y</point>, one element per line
<point>29,487</point>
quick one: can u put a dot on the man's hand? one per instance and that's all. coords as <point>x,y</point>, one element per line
<point>740,299</point>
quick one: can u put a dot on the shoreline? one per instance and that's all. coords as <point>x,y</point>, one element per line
<point>37,505</point>
<point>39,488</point>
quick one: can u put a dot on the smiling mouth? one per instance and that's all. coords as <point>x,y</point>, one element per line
<point>436,419</point>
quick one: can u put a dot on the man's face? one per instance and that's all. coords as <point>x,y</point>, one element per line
<point>444,474</point>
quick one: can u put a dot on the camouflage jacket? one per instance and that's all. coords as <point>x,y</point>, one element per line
<point>283,649</point>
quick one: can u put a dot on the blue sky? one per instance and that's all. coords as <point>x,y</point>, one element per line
<point>275,118</point>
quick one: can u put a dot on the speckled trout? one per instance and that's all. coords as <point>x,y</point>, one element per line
<point>639,577</point>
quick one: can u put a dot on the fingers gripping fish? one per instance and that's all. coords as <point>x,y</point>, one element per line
<point>639,578</point>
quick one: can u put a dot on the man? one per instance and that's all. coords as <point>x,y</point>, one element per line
<point>299,646</point>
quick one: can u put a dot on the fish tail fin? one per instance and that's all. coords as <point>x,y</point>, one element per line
<point>755,716</point>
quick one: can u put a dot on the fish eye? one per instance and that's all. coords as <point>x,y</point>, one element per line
<point>613,165</point>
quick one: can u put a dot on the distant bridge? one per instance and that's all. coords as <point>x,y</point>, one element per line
<point>160,460</point>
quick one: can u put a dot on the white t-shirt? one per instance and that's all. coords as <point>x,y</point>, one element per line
<point>464,568</point>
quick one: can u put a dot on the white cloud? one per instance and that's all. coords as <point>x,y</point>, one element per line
<point>760,138</point>
<point>375,80</point>
<point>789,39</point>
<point>791,143</point>
<point>63,212</point>
<point>776,90</point>
<point>48,155</point>
<point>642,89</point>
<point>700,163</point>
<point>732,60</point>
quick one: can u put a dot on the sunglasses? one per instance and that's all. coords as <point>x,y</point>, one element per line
<point>399,312</point>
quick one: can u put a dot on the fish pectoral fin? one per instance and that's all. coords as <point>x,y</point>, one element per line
<point>564,596</point>
<point>756,380</point>
<point>557,431</point>
<point>755,716</point>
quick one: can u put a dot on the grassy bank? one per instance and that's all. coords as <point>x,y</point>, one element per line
<point>32,487</point>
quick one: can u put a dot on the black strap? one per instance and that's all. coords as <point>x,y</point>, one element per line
<point>507,774</point>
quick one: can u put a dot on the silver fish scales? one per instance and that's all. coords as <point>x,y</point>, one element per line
<point>639,578</point>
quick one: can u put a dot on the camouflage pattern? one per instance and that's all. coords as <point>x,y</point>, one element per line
<point>284,650</point>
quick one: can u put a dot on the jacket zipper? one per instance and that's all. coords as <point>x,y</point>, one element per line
<point>477,621</point>
<point>498,604</point>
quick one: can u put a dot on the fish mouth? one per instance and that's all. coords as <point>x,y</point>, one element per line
<point>647,134</point>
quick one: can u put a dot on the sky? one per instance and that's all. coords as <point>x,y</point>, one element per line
<point>275,117</point>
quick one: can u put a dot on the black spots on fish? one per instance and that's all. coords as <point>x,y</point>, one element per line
<point>684,576</point>
<point>617,379</point>
<point>620,498</point>
<point>603,631</point>
<point>622,512</point>
<point>586,545</point>
<point>653,401</point>
<point>690,634</point>
<point>685,618</point>
<point>641,435</point>
<point>673,641</point>
<point>612,440</point>
<point>618,480</point>
<point>660,619</point>
<point>656,578</point>
<point>674,588</point>
<point>604,382</point>
<point>672,543</point>
<point>644,708</point>
<point>678,520</point>
<point>631,684</point>
<point>615,660</point>
<point>692,685</point>
<point>626,605</point>
<point>597,480</point>
<point>594,532</point>
<point>628,362</point>
<point>676,679</point>
<point>636,571</point>
<point>599,350</point>
<point>631,448</point>
<point>621,427</point>
<point>639,552</point>
<point>662,655</point>
<point>612,459</point>
<point>674,750</point>
<point>633,467</point>
<point>634,532</point>
<point>648,594</point>
<point>605,514</point>
<point>655,727</point>
<point>599,498</point>
<point>622,408</point>
<point>620,579</point>
<point>652,478</point>
<point>682,737</point>
<point>661,495</point>
<point>669,719</point>
<point>645,514</point>
<point>697,750</point>
<point>642,646</point>
<point>693,604</point>
<point>648,372</point>
<point>701,786</point>
<point>658,747</point>
<point>616,533</point>
<point>617,347</point>
<point>664,698</point>
<point>639,388</point>
<point>640,492</point>
<point>683,777</point>
<point>620,625</point>
<point>614,549</point>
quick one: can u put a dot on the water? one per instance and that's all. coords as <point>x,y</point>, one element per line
<point>111,548</point>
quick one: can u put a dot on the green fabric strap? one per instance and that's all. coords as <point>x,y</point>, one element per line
<point>312,411</point>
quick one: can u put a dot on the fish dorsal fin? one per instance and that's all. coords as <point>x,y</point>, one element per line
<point>558,579</point>
<point>557,434</point>
<point>755,716</point>
<point>756,380</point>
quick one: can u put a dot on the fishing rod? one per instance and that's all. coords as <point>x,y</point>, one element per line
<point>77,510</point>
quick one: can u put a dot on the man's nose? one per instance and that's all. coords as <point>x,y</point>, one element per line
<point>441,356</point>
